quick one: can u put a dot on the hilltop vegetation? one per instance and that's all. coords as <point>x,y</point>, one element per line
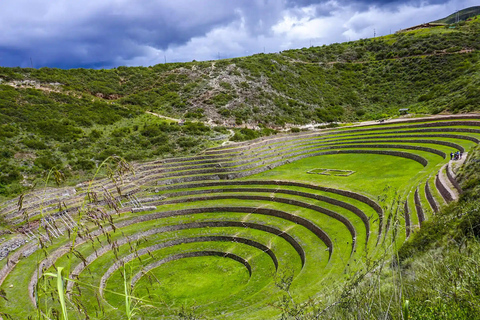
<point>461,15</point>
<point>368,222</point>
<point>73,119</point>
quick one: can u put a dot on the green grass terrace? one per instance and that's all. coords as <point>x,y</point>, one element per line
<point>216,232</point>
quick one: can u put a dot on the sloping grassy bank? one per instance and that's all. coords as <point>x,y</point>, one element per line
<point>434,275</point>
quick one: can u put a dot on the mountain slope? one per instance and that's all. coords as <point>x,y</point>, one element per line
<point>461,15</point>
<point>73,119</point>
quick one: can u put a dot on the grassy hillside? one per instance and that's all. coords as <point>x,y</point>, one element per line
<point>438,269</point>
<point>461,15</point>
<point>73,119</point>
<point>300,226</point>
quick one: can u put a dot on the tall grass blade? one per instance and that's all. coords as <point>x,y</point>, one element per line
<point>61,292</point>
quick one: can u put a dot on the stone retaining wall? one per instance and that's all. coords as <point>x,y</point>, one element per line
<point>238,147</point>
<point>452,136</point>
<point>280,156</point>
<point>190,255</point>
<point>451,178</point>
<point>13,259</point>
<point>443,189</point>
<point>422,125</point>
<point>287,137</point>
<point>402,132</point>
<point>263,211</point>
<point>47,263</point>
<point>406,212</point>
<point>193,225</point>
<point>263,168</point>
<point>394,146</point>
<point>437,118</point>
<point>345,193</point>
<point>379,126</point>
<point>234,175</point>
<point>253,162</point>
<point>429,196</point>
<point>326,212</point>
<point>444,143</point>
<point>359,213</point>
<point>118,264</point>
<point>418,207</point>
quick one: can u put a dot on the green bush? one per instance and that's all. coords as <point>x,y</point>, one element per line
<point>9,174</point>
<point>83,164</point>
<point>187,142</point>
<point>63,130</point>
<point>48,161</point>
<point>35,144</point>
<point>245,134</point>
<point>195,128</point>
<point>120,132</point>
<point>226,85</point>
<point>6,153</point>
<point>221,99</point>
<point>161,138</point>
<point>330,114</point>
<point>7,131</point>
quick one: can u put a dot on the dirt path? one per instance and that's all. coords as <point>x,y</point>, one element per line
<point>232,133</point>
<point>400,120</point>
<point>163,117</point>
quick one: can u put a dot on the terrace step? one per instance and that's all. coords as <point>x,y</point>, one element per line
<point>431,200</point>
<point>444,187</point>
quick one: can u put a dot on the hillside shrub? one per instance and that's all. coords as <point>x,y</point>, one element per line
<point>35,144</point>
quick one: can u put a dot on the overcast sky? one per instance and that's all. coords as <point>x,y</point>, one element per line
<point>111,33</point>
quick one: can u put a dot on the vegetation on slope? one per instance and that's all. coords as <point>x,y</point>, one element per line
<point>461,15</point>
<point>71,119</point>
<point>435,274</point>
<point>337,300</point>
<point>43,130</point>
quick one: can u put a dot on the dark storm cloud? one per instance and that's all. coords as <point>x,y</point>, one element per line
<point>121,29</point>
<point>108,33</point>
<point>302,3</point>
<point>327,8</point>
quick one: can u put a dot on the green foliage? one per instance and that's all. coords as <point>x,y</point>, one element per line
<point>330,114</point>
<point>221,99</point>
<point>245,134</point>
<point>195,128</point>
<point>47,161</point>
<point>462,15</point>
<point>226,85</point>
<point>35,144</point>
<point>83,115</point>
<point>187,142</point>
<point>470,175</point>
<point>7,131</point>
<point>63,131</point>
<point>9,174</point>
<point>197,113</point>
<point>6,153</point>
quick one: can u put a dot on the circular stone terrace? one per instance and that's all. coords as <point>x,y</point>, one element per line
<point>214,232</point>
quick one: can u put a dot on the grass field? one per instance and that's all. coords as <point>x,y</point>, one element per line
<point>228,233</point>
